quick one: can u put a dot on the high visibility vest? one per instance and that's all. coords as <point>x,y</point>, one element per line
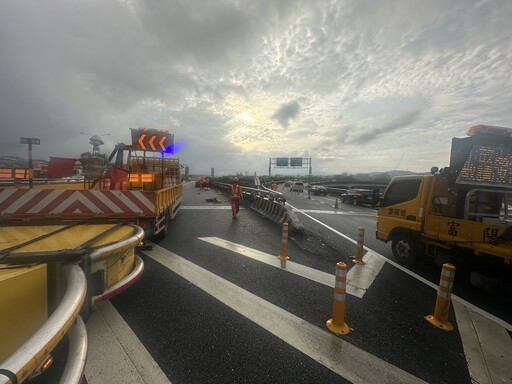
<point>235,191</point>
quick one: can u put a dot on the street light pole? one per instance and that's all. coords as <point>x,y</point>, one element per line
<point>29,141</point>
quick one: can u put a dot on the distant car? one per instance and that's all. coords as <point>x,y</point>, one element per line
<point>288,183</point>
<point>298,186</point>
<point>317,190</point>
<point>361,197</point>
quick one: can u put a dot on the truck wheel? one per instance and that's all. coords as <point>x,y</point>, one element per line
<point>406,249</point>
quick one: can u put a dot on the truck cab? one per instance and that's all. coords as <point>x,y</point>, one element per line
<point>464,208</point>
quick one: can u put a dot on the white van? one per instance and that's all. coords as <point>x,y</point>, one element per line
<point>298,186</point>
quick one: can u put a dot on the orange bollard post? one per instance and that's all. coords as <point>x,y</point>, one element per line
<point>284,243</point>
<point>337,324</point>
<point>359,247</point>
<point>336,204</point>
<point>443,301</point>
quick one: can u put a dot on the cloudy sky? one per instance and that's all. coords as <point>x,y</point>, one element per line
<point>355,85</point>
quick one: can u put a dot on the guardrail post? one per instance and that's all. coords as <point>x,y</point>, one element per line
<point>359,247</point>
<point>443,301</point>
<point>284,243</point>
<point>337,324</point>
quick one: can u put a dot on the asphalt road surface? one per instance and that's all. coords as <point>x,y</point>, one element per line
<point>216,305</point>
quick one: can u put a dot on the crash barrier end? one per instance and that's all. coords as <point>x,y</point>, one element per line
<point>359,247</point>
<point>278,212</point>
<point>284,243</point>
<point>337,324</point>
<point>443,301</point>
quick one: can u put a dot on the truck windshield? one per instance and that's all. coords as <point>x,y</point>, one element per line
<point>401,191</point>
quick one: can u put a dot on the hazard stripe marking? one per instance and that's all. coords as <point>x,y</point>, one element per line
<point>32,198</point>
<point>7,198</point>
<point>46,201</point>
<point>94,198</point>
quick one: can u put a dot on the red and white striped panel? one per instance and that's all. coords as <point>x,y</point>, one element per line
<point>68,203</point>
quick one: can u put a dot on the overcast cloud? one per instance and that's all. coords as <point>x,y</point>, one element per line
<point>356,85</point>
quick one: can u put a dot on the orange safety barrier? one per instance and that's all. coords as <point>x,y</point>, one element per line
<point>443,301</point>
<point>337,324</point>
<point>6,173</point>
<point>284,243</point>
<point>14,173</point>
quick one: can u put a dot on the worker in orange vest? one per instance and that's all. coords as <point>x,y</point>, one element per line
<point>235,195</point>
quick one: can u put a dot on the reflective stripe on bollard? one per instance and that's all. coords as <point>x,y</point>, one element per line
<point>443,301</point>
<point>337,324</point>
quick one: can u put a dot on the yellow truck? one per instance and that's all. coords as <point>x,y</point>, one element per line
<point>142,186</point>
<point>66,246</point>
<point>461,209</point>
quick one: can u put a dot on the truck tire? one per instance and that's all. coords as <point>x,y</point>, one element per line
<point>407,250</point>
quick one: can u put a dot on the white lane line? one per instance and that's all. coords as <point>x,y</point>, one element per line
<point>359,278</point>
<point>474,308</point>
<point>339,356</point>
<point>334,212</point>
<point>207,207</point>
<point>116,355</point>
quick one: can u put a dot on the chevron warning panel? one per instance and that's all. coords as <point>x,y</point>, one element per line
<point>23,203</point>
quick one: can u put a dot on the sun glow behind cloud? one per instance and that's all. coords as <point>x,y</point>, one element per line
<point>356,85</point>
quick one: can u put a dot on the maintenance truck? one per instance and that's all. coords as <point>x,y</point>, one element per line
<point>463,209</point>
<point>50,277</point>
<point>64,247</point>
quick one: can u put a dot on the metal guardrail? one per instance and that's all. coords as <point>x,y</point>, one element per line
<point>123,284</point>
<point>77,354</point>
<point>103,252</point>
<point>263,191</point>
<point>34,351</point>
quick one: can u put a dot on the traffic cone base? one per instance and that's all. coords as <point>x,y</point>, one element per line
<point>337,329</point>
<point>446,326</point>
<point>285,257</point>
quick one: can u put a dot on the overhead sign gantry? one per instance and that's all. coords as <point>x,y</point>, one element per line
<point>289,163</point>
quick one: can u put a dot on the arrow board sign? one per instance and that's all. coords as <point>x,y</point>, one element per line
<point>153,140</point>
